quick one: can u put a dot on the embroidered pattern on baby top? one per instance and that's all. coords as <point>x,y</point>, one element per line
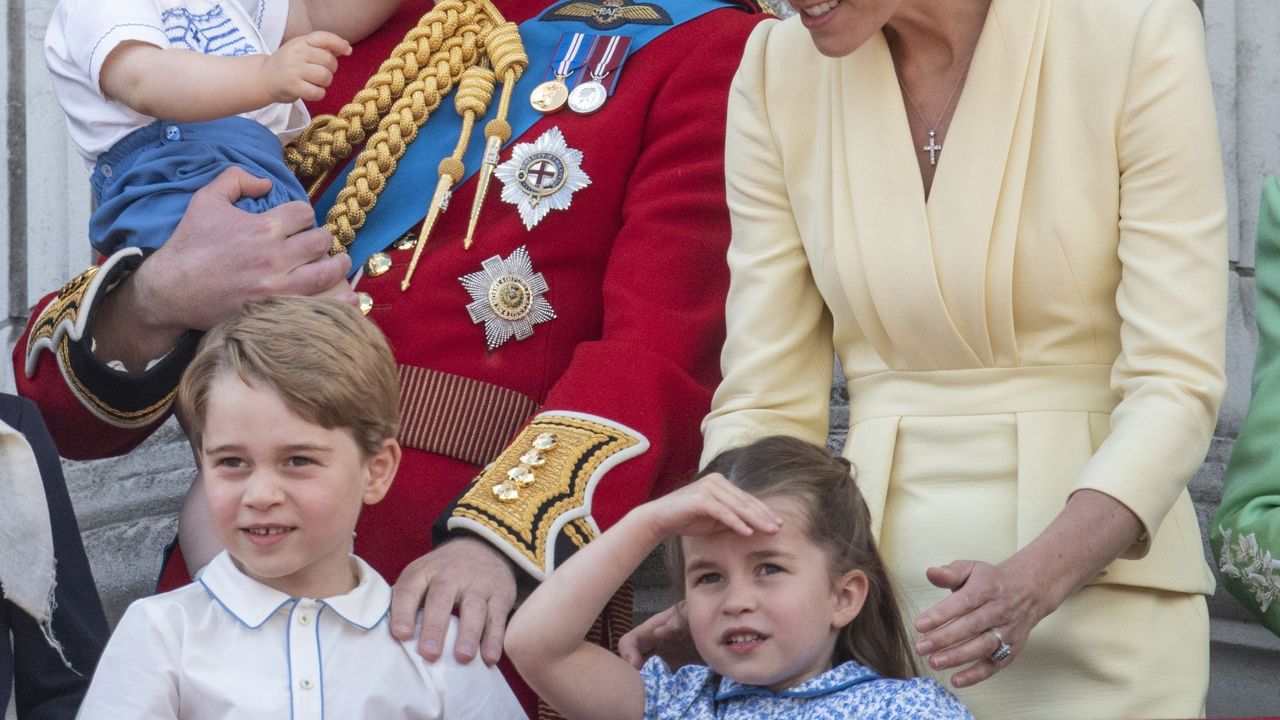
<point>209,33</point>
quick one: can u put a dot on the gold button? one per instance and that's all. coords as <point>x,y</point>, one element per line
<point>521,475</point>
<point>377,264</point>
<point>544,441</point>
<point>306,684</point>
<point>533,458</point>
<point>406,241</point>
<point>506,493</point>
<point>366,302</point>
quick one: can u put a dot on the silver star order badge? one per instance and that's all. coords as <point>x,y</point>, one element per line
<point>542,176</point>
<point>507,296</point>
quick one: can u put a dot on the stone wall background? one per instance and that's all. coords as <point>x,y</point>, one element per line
<point>127,506</point>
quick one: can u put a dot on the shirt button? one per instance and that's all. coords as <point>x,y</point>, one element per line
<point>105,170</point>
<point>304,619</point>
<point>306,684</point>
<point>172,133</point>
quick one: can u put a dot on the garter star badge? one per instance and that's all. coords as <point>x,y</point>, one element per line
<point>507,296</point>
<point>542,176</point>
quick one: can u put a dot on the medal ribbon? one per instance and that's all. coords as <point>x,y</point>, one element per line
<point>563,65</point>
<point>608,52</point>
<point>400,204</point>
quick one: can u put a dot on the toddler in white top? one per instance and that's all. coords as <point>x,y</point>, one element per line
<point>292,410</point>
<point>162,95</point>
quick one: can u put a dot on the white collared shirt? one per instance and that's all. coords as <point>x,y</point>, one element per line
<point>227,646</point>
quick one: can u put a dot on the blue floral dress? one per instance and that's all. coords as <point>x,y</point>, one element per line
<point>694,692</point>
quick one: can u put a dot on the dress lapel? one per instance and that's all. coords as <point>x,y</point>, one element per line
<point>907,320</point>
<point>975,203</point>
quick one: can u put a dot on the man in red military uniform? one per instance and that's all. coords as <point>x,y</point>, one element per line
<point>554,374</point>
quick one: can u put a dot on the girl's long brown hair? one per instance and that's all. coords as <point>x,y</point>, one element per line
<point>837,520</point>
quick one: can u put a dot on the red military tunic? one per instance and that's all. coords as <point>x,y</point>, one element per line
<point>623,374</point>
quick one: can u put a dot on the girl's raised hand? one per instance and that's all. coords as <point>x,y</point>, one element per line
<point>709,505</point>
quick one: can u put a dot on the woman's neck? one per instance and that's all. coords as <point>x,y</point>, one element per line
<point>934,37</point>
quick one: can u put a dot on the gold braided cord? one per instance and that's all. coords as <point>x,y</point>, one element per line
<point>454,36</point>
<point>396,130</point>
<point>330,139</point>
<point>471,100</point>
<point>506,53</point>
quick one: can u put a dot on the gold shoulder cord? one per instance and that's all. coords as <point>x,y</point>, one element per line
<point>463,43</point>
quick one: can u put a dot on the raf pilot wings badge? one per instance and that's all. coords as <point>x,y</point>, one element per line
<point>608,14</point>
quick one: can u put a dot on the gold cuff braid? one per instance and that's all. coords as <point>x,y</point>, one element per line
<point>542,485</point>
<point>66,316</point>
<point>64,320</point>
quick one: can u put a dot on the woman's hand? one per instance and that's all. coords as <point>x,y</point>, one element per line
<point>665,635</point>
<point>707,506</point>
<point>1007,598</point>
<point>1012,597</point>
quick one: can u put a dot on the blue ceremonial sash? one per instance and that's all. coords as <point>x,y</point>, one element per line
<point>407,196</point>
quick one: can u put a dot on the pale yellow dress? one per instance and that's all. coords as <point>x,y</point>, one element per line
<point>1051,319</point>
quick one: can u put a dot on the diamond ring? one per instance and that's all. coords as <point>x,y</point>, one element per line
<point>1003,649</point>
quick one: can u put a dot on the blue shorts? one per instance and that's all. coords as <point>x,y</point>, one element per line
<point>142,185</point>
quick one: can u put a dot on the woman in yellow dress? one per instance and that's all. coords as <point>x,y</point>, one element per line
<point>1007,220</point>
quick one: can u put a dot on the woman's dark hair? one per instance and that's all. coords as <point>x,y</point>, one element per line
<point>837,520</point>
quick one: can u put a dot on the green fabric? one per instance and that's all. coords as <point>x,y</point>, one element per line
<point>1245,533</point>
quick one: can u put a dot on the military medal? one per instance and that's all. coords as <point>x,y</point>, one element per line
<point>551,95</point>
<point>605,59</point>
<point>542,176</point>
<point>507,297</point>
<point>588,97</point>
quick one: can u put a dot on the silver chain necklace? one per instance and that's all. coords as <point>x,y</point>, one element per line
<point>933,148</point>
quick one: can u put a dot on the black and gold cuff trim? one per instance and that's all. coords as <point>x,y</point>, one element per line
<point>534,501</point>
<point>117,397</point>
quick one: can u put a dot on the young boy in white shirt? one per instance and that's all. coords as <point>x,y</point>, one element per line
<point>292,411</point>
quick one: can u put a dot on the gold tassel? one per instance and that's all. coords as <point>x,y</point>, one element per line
<point>471,101</point>
<point>433,58</point>
<point>509,62</point>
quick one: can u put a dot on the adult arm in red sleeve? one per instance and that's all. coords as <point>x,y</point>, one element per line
<point>625,413</point>
<point>137,310</point>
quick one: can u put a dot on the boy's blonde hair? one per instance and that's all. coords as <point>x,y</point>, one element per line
<point>321,356</point>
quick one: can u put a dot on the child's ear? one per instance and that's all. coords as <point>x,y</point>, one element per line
<point>850,593</point>
<point>380,468</point>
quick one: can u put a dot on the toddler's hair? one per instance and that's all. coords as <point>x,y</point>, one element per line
<point>837,520</point>
<point>320,355</point>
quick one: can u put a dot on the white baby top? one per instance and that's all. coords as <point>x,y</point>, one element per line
<point>83,33</point>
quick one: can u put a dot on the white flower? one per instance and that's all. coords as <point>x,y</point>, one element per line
<point>1256,570</point>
